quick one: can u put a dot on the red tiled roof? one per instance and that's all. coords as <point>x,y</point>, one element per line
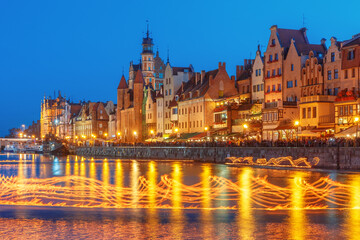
<point>139,77</point>
<point>306,48</point>
<point>285,36</point>
<point>123,84</point>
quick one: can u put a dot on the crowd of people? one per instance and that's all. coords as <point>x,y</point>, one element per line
<point>315,142</point>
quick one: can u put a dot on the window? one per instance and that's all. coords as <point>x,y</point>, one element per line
<point>279,87</point>
<point>332,57</point>
<point>200,123</point>
<point>329,91</point>
<point>262,87</point>
<point>270,58</point>
<point>336,74</point>
<point>149,106</point>
<point>336,91</point>
<point>353,72</point>
<point>289,84</point>
<point>197,108</point>
<point>274,72</point>
<point>314,112</point>
<point>268,74</point>
<point>100,125</point>
<point>166,93</point>
<point>169,91</point>
<point>258,87</point>
<point>174,111</point>
<point>256,72</point>
<point>149,69</point>
<point>101,111</point>
<point>254,88</point>
<point>292,67</point>
<point>329,75</point>
<point>161,75</point>
<point>268,89</point>
<point>273,88</point>
<point>150,79</point>
<point>304,112</point>
<point>346,74</point>
<point>279,72</point>
<point>166,103</point>
<point>295,83</point>
<point>351,55</point>
<point>259,72</point>
<point>200,108</point>
<point>276,57</point>
<point>309,112</point>
<point>273,42</point>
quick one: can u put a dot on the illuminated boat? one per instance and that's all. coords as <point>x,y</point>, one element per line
<point>11,148</point>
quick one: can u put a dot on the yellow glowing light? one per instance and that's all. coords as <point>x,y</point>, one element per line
<point>135,133</point>
<point>206,128</point>
<point>119,133</point>
<point>76,137</point>
<point>151,131</point>
<point>176,130</point>
<point>296,123</point>
<point>245,126</point>
<point>105,134</point>
<point>356,119</point>
<point>33,136</point>
<point>25,135</point>
<point>276,162</point>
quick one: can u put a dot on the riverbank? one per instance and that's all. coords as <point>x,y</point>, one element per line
<point>330,157</point>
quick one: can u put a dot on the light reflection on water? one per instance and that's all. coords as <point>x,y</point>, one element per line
<point>176,223</point>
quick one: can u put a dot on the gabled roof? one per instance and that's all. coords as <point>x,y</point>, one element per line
<point>122,84</point>
<point>244,75</point>
<point>285,36</point>
<point>139,77</point>
<point>201,88</point>
<point>306,48</point>
<point>353,41</point>
<point>176,70</point>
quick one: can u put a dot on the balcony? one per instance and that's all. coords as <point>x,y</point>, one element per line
<point>318,98</point>
<point>327,119</point>
<point>269,105</point>
<point>290,103</point>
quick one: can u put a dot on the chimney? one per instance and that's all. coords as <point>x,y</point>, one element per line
<point>322,41</point>
<point>196,78</point>
<point>219,65</point>
<point>233,78</point>
<point>202,76</point>
<point>237,71</point>
<point>245,62</point>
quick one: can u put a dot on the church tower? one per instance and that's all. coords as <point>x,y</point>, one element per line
<point>147,59</point>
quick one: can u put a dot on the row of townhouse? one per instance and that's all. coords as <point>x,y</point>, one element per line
<point>296,89</point>
<point>77,121</point>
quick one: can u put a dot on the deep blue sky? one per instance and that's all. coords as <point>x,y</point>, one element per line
<point>81,46</point>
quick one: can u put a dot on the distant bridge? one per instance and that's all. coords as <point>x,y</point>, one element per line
<point>6,141</point>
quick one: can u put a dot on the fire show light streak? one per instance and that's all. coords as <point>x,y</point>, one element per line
<point>80,191</point>
<point>274,162</point>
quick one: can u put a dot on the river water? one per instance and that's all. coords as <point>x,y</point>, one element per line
<point>128,199</point>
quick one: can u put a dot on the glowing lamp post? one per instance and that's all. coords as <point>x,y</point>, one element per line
<point>135,136</point>
<point>296,124</point>
<point>356,120</point>
<point>177,132</point>
<point>245,126</point>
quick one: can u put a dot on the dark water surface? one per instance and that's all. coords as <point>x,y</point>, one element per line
<point>208,222</point>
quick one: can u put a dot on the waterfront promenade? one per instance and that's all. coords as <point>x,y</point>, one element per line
<point>330,157</point>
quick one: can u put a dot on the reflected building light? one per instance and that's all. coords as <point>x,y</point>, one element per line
<point>206,196</point>
<point>245,213</point>
<point>56,170</point>
<point>176,218</point>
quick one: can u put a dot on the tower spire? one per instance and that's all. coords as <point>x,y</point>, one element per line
<point>147,28</point>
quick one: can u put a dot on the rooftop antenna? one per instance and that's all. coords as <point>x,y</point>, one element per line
<point>123,70</point>
<point>168,55</point>
<point>303,20</point>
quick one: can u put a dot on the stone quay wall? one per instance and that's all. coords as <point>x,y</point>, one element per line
<point>330,157</point>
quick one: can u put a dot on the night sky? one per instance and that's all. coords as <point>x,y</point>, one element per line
<point>81,47</point>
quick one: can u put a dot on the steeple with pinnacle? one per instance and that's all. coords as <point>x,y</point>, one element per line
<point>147,58</point>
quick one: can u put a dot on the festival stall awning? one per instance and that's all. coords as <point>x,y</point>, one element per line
<point>349,132</point>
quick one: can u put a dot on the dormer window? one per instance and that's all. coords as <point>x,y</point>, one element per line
<point>276,57</point>
<point>351,55</point>
<point>270,58</point>
<point>332,57</point>
<point>273,42</point>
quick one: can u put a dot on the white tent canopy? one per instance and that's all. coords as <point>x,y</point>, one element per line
<point>349,132</point>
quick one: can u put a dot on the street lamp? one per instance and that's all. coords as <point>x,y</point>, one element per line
<point>356,120</point>
<point>296,124</point>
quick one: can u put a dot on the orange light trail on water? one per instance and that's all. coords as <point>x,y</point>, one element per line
<point>80,191</point>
